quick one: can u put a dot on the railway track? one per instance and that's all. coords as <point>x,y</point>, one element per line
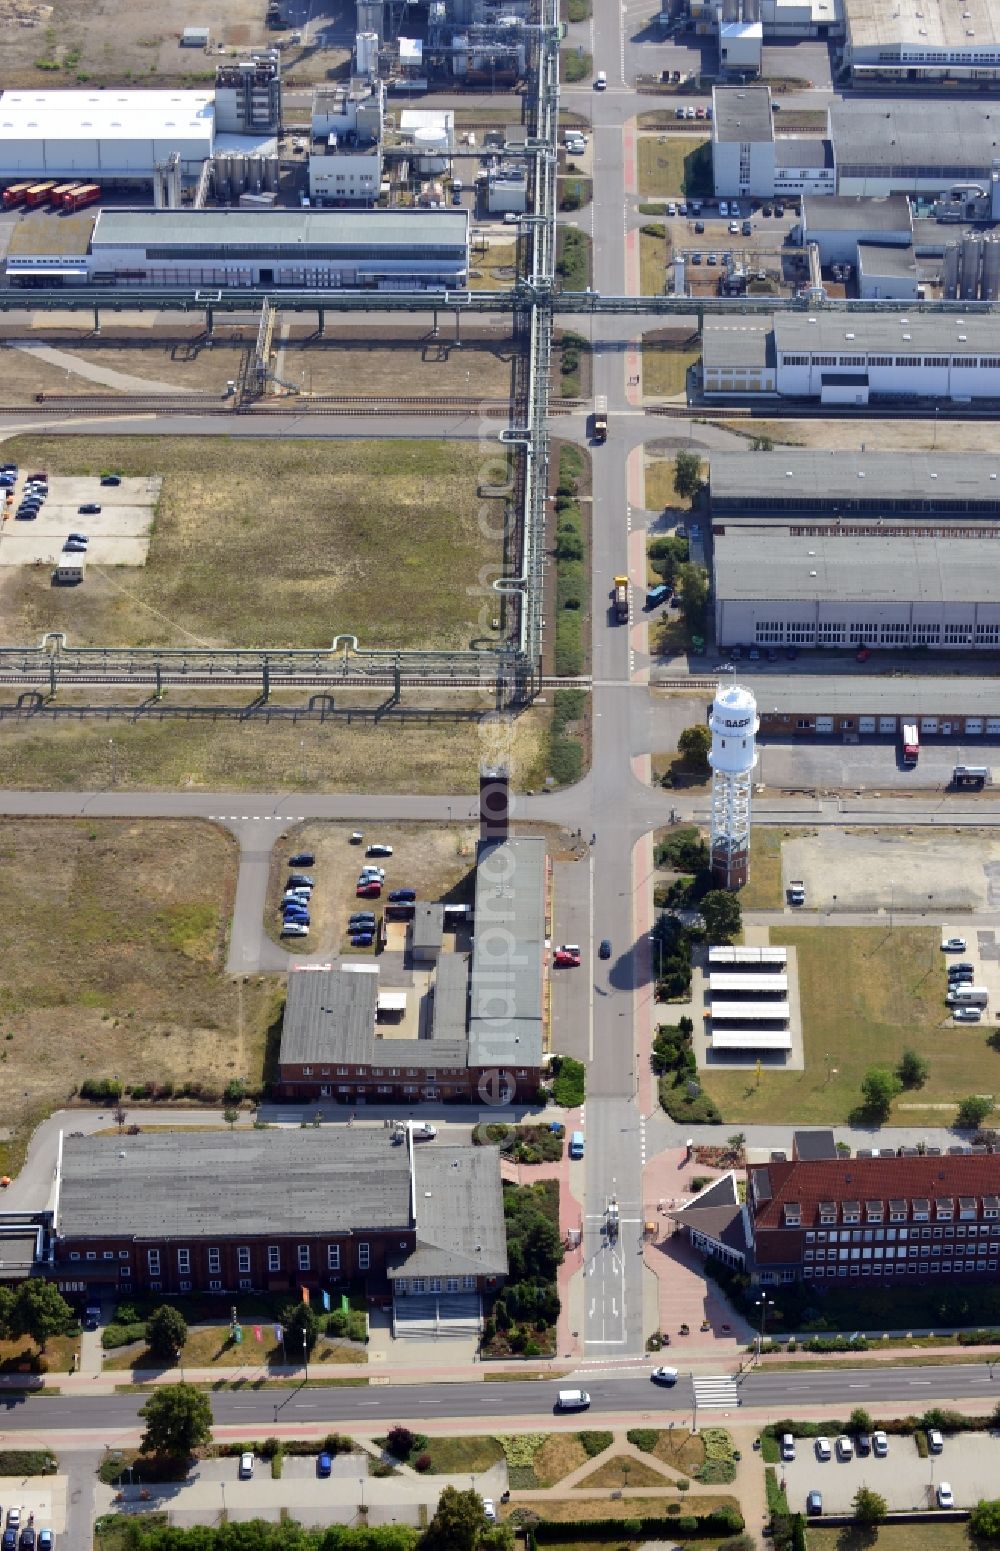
<point>35,676</point>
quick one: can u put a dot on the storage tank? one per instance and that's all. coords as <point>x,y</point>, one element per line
<point>969,288</point>
<point>430,149</point>
<point>950,279</point>
<point>255,173</point>
<point>272,173</point>
<point>366,52</point>
<point>221,175</point>
<point>734,724</point>
<point>991,270</point>
<point>237,173</point>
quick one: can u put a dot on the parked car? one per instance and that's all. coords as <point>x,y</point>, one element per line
<point>302,859</point>
<point>301,879</point>
<point>845,1447</point>
<point>967,1014</point>
<point>46,1540</point>
<point>246,1466</point>
<point>423,1131</point>
<point>362,939</point>
<point>324,1465</point>
<point>402,896</point>
<point>863,1445</point>
<point>954,945</point>
<point>699,227</point>
<point>787,1446</point>
<point>13,1517</point>
<point>935,1441</point>
<point>880,1445</point>
<point>862,654</point>
<point>960,967</point>
<point>294,929</point>
<point>377,848</point>
<point>604,951</point>
<point>89,509</point>
<point>564,960</point>
<point>489,1510</point>
<point>945,1496</point>
<point>814,1504</point>
<point>9,1542</point>
<point>666,1376</point>
<point>111,479</point>
<point>368,891</point>
<point>79,538</point>
<point>362,918</point>
<point>27,1540</point>
<point>823,1449</point>
<point>747,229</point>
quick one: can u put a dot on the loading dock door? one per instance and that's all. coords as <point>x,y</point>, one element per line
<point>974,726</point>
<point>824,724</point>
<point>887,724</point>
<point>866,724</point>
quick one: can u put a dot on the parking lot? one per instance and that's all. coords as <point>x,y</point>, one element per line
<point>969,1464</point>
<point>118,533</point>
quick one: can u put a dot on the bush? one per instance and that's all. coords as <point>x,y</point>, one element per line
<point>595,1443</point>
<point>643,1438</point>
<point>115,1335</point>
<point>568,1082</point>
<point>400,1442</point>
<point>422,1462</point>
<point>101,1090</point>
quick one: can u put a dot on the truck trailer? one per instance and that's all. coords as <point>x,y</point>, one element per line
<point>15,194</point>
<point>600,420</point>
<point>621,599</point>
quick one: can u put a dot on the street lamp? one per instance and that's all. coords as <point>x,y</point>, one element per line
<point>305,1354</point>
<point>763,1303</point>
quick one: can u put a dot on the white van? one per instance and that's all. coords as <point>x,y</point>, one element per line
<point>572,1400</point>
<point>968,996</point>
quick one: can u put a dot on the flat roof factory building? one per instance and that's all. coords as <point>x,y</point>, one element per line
<point>913,147</point>
<point>851,359</point>
<point>922,40</point>
<point>806,481</point>
<point>852,584</point>
<point>350,249</point>
<point>106,135</point>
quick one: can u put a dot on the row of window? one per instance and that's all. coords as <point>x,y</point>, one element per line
<point>911,1268</point>
<point>435,1284</point>
<point>911,362</point>
<point>888,1252</point>
<point>892,1235</point>
<point>796,632</point>
<point>303,1258</point>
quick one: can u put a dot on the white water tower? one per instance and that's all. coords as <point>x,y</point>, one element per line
<point>733,723</point>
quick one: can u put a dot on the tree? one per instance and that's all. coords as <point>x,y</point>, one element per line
<point>692,584</point>
<point>912,1070</point>
<point>694,744</point>
<point>166,1332</point>
<point>230,1116</point>
<point>120,1116</point>
<point>985,1520</point>
<point>178,1419</point>
<point>722,915</point>
<point>40,1311</point>
<point>400,1443</point>
<point>973,1110</point>
<point>869,1507</point>
<point>299,1317</point>
<point>860,1421</point>
<point>736,1143</point>
<point>878,1089</point>
<point>458,1524</point>
<point>6,1312</point>
<point>687,474</point>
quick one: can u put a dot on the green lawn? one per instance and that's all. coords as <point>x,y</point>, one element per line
<point>867,994</point>
<point>664,372</point>
<point>933,1536</point>
<point>652,260</point>
<point>575,65</point>
<point>763,891</point>
<point>674,165</point>
<point>452,1455</point>
<point>273,543</point>
<point>572,258</point>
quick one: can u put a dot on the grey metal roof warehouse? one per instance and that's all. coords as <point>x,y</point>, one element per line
<point>328,1012</point>
<point>450,1000</point>
<point>846,213</point>
<point>742,113</point>
<point>967,481</point>
<point>888,694</point>
<point>250,1182</point>
<point>505,1017</point>
<point>458,1205</point>
<point>791,151</point>
<point>287,233</point>
<point>769,561</point>
<point>910,333</point>
<point>951,136</point>
<point>746,343</point>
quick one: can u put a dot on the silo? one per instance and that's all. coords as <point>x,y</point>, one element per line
<point>272,173</point>
<point>969,288</point>
<point>991,270</point>
<point>951,271</point>
<point>237,174</point>
<point>220,174</point>
<point>255,172</point>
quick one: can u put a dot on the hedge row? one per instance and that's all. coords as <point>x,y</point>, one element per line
<point>726,1521</point>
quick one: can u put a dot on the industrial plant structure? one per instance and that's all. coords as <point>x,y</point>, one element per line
<point>733,722</point>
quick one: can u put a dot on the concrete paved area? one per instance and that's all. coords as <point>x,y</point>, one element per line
<point>970,1464</point>
<point>896,870</point>
<point>118,533</point>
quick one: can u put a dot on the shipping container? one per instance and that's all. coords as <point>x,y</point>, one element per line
<point>38,194</point>
<point>58,194</point>
<point>86,194</point>
<point>14,194</point>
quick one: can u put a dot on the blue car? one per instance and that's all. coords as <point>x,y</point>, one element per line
<point>324,1465</point>
<point>293,913</point>
<point>299,880</point>
<point>361,920</point>
<point>362,940</point>
<point>402,896</point>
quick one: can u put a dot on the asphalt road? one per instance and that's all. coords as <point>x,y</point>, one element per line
<point>627,1395</point>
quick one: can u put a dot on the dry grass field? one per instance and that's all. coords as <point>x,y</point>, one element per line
<point>114,951</point>
<point>274,543</point>
<point>874,435</point>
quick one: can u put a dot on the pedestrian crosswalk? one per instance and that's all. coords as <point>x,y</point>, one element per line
<point>716,1394</point>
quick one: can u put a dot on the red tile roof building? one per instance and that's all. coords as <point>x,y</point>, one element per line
<point>835,1219</point>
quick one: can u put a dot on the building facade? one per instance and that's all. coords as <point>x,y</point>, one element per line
<point>272,1211</point>
<point>922,1219</point>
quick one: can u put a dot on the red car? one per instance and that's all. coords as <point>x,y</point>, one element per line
<point>863,655</point>
<point>368,891</point>
<point>566,960</point>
